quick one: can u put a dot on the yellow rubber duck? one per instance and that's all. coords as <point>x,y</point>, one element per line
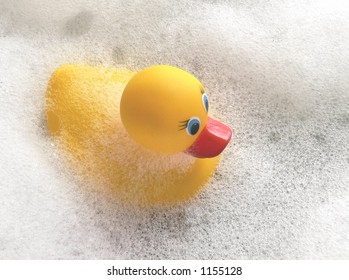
<point>146,136</point>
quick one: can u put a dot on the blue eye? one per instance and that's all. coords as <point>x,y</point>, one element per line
<point>205,101</point>
<point>193,126</point>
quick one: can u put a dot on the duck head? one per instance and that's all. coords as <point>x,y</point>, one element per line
<point>165,109</point>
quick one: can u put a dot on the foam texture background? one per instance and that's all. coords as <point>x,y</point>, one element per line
<point>276,71</point>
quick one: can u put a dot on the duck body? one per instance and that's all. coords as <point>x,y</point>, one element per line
<point>83,116</point>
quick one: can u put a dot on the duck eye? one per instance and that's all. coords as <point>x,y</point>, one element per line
<point>205,101</point>
<point>193,126</point>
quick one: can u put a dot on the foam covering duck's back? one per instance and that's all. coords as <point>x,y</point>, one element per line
<point>83,115</point>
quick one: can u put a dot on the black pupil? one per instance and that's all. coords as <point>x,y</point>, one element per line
<point>194,128</point>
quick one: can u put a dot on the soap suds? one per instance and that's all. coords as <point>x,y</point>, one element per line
<point>276,72</point>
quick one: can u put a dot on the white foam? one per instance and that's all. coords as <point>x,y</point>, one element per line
<point>276,72</point>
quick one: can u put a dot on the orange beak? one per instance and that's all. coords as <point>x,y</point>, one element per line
<point>211,141</point>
